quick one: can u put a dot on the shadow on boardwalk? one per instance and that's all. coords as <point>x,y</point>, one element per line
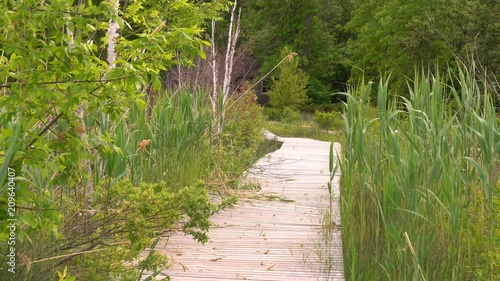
<point>278,235</point>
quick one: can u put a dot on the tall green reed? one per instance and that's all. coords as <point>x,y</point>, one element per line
<point>419,181</point>
<point>172,144</point>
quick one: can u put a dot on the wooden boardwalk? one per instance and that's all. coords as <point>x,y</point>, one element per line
<point>271,234</point>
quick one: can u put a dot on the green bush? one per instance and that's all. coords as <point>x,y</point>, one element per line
<point>318,92</point>
<point>135,214</point>
<point>299,131</point>
<point>328,120</point>
<point>242,133</point>
<point>290,116</point>
<point>272,114</point>
<point>326,107</point>
<point>285,115</point>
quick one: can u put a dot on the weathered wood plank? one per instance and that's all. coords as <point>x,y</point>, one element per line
<point>274,234</point>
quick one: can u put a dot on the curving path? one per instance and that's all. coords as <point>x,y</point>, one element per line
<point>274,233</point>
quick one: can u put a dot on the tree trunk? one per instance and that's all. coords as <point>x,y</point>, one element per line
<point>215,89</point>
<point>218,106</point>
<point>233,34</point>
<point>112,33</point>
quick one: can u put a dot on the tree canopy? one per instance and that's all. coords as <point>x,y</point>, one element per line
<point>341,40</point>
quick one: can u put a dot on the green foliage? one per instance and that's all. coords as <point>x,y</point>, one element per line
<point>285,115</point>
<point>272,114</point>
<point>327,107</point>
<point>289,87</point>
<point>301,130</point>
<point>416,172</point>
<point>63,276</point>
<point>54,70</point>
<point>290,116</point>
<point>392,37</point>
<point>328,120</point>
<point>144,184</point>
<point>313,28</point>
<point>136,214</point>
<point>70,124</point>
<point>242,134</point>
<point>337,39</point>
<point>169,145</point>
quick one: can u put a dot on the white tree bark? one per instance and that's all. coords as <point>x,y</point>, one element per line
<point>218,106</point>
<point>112,33</point>
<point>233,34</point>
<point>215,89</point>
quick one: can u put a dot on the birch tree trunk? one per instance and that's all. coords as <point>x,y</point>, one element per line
<point>215,89</point>
<point>112,33</point>
<point>233,34</point>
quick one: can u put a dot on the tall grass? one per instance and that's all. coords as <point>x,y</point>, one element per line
<point>419,187</point>
<point>172,144</point>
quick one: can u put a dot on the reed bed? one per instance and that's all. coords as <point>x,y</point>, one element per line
<point>170,142</point>
<point>419,187</point>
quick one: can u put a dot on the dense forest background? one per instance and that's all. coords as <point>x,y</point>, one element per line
<point>340,41</point>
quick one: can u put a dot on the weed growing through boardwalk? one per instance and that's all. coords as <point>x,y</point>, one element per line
<point>325,245</point>
<point>325,257</point>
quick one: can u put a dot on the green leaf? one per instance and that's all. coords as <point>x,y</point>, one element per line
<point>150,277</point>
<point>31,220</point>
<point>330,158</point>
<point>201,53</point>
<point>13,148</point>
<point>482,175</point>
<point>118,150</point>
<point>156,82</point>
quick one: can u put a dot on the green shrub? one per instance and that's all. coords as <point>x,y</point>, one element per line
<point>135,214</point>
<point>242,133</point>
<point>325,107</point>
<point>299,131</point>
<point>328,120</point>
<point>272,114</point>
<point>290,116</point>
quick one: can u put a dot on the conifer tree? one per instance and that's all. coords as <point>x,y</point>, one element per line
<point>289,87</point>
